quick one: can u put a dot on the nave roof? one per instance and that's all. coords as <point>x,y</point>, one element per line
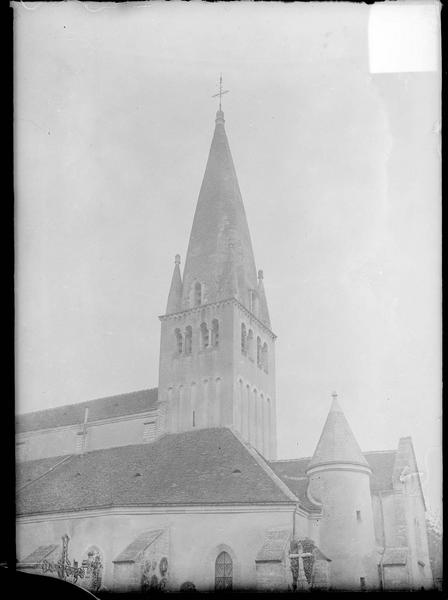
<point>109,407</point>
<point>206,466</point>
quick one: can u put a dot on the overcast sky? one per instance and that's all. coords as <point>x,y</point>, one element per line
<point>339,172</point>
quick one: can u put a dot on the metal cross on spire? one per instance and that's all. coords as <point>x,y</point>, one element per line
<point>221,91</point>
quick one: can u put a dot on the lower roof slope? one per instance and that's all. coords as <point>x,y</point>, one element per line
<point>206,466</point>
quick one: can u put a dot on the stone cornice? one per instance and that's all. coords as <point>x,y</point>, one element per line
<point>158,509</point>
<point>234,301</point>
<point>339,466</point>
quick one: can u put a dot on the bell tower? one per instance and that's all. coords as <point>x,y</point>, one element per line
<point>217,360</point>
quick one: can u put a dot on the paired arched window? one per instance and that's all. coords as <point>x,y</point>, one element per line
<point>223,572</point>
<point>205,336</point>
<point>179,341</point>
<point>188,339</point>
<point>197,294</point>
<point>209,338</point>
<point>215,333</point>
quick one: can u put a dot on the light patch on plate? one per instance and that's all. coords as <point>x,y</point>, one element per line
<point>404,37</point>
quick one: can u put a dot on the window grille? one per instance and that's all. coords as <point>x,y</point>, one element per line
<point>223,572</point>
<point>149,431</point>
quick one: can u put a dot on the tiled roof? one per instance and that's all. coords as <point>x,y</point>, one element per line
<point>308,545</point>
<point>145,539</point>
<point>395,556</point>
<point>30,470</point>
<point>382,465</point>
<point>101,408</point>
<point>273,548</point>
<point>292,472</point>
<point>206,466</point>
<point>39,554</point>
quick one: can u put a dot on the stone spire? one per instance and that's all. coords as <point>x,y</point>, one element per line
<point>337,444</point>
<point>220,254</point>
<point>263,312</point>
<point>174,303</point>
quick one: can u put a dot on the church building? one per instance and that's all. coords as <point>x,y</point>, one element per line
<point>179,487</point>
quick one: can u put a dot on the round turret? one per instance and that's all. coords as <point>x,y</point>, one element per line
<point>340,481</point>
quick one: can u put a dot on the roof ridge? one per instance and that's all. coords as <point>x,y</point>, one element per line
<point>264,465</point>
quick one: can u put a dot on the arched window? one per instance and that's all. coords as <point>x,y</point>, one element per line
<point>223,572</point>
<point>205,336</point>
<point>188,339</point>
<point>197,294</point>
<point>243,339</point>
<point>179,341</point>
<point>258,351</point>
<point>264,357</point>
<point>215,333</point>
<point>250,344</point>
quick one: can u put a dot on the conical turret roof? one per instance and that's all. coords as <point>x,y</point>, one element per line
<point>219,254</point>
<point>337,444</point>
<point>174,303</point>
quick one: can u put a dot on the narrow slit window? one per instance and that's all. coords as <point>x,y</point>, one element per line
<point>197,294</point>
<point>264,358</point>
<point>215,333</point>
<point>362,583</point>
<point>250,344</point>
<point>358,516</point>
<point>179,341</point>
<point>205,335</point>
<point>194,419</point>
<point>188,339</point>
<point>243,339</point>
